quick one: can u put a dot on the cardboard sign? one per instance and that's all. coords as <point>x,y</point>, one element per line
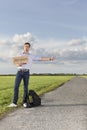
<point>20,60</point>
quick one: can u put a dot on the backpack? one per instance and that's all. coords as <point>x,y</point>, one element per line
<point>36,100</point>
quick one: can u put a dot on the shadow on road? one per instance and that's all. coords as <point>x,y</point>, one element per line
<point>63,105</point>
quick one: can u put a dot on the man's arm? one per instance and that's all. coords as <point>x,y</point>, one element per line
<point>47,58</point>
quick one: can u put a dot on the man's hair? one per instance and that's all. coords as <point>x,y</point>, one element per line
<point>27,43</point>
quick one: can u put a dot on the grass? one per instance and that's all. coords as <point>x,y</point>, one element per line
<point>41,84</point>
<point>85,76</point>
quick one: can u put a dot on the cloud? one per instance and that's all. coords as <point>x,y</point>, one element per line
<point>64,52</point>
<point>22,38</point>
<point>73,54</point>
<point>77,42</point>
<point>75,51</point>
<point>47,46</point>
<point>11,45</point>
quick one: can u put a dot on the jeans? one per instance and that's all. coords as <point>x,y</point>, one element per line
<point>19,76</point>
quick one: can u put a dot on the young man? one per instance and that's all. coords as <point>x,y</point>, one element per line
<point>24,73</point>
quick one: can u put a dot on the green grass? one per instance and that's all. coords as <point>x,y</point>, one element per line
<point>85,76</point>
<point>41,84</point>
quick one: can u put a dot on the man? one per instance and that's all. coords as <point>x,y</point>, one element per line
<point>24,73</point>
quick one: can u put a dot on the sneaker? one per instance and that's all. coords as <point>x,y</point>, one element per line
<point>24,104</point>
<point>12,105</point>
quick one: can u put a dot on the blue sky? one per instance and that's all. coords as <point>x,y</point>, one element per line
<point>54,27</point>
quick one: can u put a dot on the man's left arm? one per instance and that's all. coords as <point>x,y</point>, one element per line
<point>47,58</point>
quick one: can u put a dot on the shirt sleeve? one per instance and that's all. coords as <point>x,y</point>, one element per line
<point>36,58</point>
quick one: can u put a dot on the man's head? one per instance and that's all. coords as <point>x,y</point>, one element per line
<point>27,43</point>
<point>26,47</point>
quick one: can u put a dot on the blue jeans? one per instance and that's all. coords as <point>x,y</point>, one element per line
<point>19,76</point>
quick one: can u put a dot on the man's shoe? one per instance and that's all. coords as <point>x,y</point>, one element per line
<point>26,105</point>
<point>12,105</point>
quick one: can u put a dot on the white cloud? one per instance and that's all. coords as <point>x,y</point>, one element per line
<point>73,52</point>
<point>73,49</point>
<point>11,45</point>
<point>77,42</point>
<point>22,38</point>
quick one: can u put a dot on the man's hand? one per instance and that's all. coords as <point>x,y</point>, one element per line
<point>51,58</point>
<point>47,58</point>
<point>19,64</point>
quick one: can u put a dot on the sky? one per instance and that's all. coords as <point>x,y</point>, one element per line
<point>53,27</point>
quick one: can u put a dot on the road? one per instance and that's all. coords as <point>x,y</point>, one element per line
<point>62,109</point>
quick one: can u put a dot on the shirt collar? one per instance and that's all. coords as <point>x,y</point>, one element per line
<point>26,53</point>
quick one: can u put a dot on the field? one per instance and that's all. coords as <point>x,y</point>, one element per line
<point>41,84</point>
<point>84,76</point>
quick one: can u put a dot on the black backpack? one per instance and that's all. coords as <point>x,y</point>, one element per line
<point>36,100</point>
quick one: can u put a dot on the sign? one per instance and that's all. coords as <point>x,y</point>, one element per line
<point>20,60</point>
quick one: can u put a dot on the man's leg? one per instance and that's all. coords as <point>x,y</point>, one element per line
<point>16,86</point>
<point>26,81</point>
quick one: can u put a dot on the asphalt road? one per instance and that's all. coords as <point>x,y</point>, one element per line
<point>62,109</point>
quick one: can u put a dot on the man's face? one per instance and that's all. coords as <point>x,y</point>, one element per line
<point>26,48</point>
